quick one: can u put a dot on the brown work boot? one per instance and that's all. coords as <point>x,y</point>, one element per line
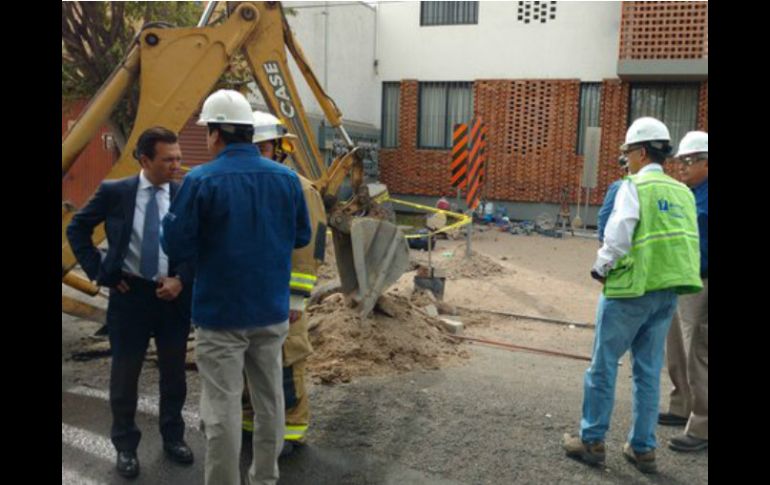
<point>591,453</point>
<point>644,462</point>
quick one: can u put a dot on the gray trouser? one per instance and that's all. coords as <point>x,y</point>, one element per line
<point>222,357</point>
<point>687,351</point>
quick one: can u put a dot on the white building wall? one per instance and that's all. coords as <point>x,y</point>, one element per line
<point>348,72</point>
<point>582,42</point>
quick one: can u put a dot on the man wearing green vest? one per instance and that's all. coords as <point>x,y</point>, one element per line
<point>649,256</point>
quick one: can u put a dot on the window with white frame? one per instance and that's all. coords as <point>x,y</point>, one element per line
<point>441,106</point>
<point>676,105</point>
<point>391,95</point>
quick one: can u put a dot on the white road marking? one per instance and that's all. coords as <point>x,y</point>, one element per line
<point>87,442</point>
<point>72,477</point>
<point>145,404</point>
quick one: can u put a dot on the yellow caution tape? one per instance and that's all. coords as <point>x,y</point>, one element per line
<point>462,219</point>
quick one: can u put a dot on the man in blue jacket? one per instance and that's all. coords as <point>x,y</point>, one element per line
<point>687,343</point>
<point>239,218</point>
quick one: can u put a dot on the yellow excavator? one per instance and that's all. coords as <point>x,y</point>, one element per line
<point>177,68</point>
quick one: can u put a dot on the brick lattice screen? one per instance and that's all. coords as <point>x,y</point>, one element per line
<point>703,107</point>
<point>664,30</point>
<point>533,130</point>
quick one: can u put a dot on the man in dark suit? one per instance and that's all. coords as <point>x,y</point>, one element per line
<point>150,295</point>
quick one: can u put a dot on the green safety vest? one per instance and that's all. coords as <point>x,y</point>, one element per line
<point>664,250</point>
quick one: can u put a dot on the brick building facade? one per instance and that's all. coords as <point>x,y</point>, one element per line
<point>533,124</point>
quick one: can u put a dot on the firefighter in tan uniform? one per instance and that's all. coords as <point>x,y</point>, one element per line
<point>271,137</point>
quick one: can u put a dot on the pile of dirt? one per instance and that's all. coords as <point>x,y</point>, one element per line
<point>328,269</point>
<point>346,346</point>
<point>452,263</point>
<point>455,265</point>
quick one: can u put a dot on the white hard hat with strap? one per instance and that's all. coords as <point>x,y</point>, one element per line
<point>268,127</point>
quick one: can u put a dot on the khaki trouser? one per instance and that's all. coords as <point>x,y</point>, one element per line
<point>222,357</point>
<point>298,416</point>
<point>687,355</point>
<point>296,349</point>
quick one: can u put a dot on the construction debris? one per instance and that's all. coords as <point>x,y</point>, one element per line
<point>452,326</point>
<point>445,308</point>
<point>431,311</point>
<point>345,347</point>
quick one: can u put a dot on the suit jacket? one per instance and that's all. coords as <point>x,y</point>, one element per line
<point>114,203</point>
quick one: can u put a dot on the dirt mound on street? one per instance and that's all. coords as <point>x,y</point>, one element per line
<point>456,266</point>
<point>347,347</point>
<point>453,263</point>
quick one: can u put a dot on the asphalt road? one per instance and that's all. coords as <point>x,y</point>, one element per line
<point>497,419</point>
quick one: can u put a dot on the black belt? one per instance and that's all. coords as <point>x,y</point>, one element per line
<point>132,279</point>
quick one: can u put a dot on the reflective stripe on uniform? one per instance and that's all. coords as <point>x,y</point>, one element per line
<point>302,284</point>
<point>303,279</point>
<point>649,184</point>
<point>292,432</point>
<point>295,432</point>
<point>652,237</point>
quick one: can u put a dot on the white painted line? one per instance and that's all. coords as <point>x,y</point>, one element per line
<point>145,404</point>
<point>87,442</point>
<point>72,477</point>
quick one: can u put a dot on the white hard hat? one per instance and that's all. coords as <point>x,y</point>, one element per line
<point>268,127</point>
<point>694,142</point>
<point>226,106</point>
<point>646,129</point>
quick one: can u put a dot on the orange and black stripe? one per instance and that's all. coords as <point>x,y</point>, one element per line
<point>483,155</point>
<point>475,161</point>
<point>459,165</point>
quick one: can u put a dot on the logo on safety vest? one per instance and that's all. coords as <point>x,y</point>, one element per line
<point>669,208</point>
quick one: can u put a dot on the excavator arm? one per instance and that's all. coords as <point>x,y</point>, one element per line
<point>178,67</point>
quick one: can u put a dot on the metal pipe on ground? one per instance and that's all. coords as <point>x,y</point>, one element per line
<point>528,317</point>
<point>512,347</point>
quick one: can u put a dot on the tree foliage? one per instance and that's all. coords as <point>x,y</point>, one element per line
<point>97,35</point>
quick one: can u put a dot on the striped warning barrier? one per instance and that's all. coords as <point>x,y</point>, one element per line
<point>475,165</point>
<point>459,164</point>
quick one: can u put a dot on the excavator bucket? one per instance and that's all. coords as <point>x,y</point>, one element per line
<point>371,258</point>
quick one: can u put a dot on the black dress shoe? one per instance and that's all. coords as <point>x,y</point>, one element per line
<point>668,419</point>
<point>685,442</point>
<point>128,464</point>
<point>179,452</point>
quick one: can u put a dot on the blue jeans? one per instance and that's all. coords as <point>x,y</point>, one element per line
<point>640,324</point>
